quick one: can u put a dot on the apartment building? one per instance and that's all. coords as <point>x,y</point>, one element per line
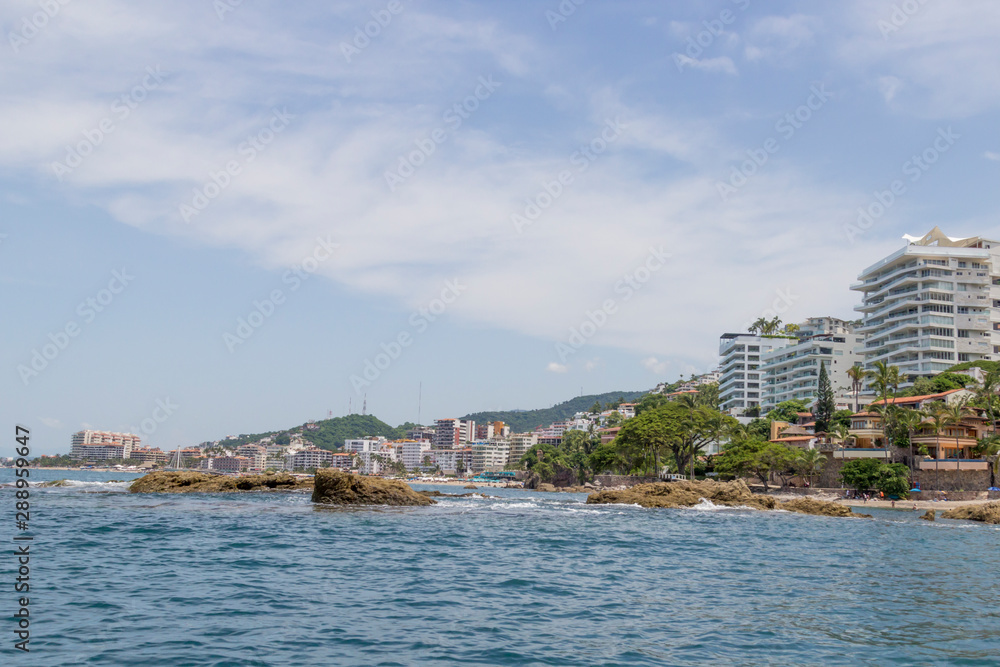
<point>490,455</point>
<point>741,380</point>
<point>792,372</point>
<point>227,464</point>
<point>256,453</point>
<point>520,443</point>
<point>102,445</point>
<point>451,433</point>
<point>932,304</point>
<point>411,452</point>
<point>312,457</point>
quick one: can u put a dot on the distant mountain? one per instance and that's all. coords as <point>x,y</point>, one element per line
<point>521,421</point>
<point>331,433</point>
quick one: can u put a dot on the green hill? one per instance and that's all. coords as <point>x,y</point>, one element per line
<point>521,421</point>
<point>331,433</point>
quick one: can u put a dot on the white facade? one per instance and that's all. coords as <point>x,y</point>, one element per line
<point>491,455</point>
<point>103,445</point>
<point>256,453</point>
<point>741,380</point>
<point>411,452</point>
<point>309,458</point>
<point>521,443</point>
<point>792,372</point>
<point>932,304</point>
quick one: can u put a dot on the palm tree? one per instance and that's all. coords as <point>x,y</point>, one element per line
<point>911,419</point>
<point>940,419</point>
<point>955,413</point>
<point>840,433</point>
<point>857,374</point>
<point>986,394</point>
<point>809,463</point>
<point>758,326</point>
<point>989,449</point>
<point>885,379</point>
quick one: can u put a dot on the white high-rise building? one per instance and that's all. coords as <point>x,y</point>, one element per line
<point>792,372</point>
<point>740,382</point>
<point>932,304</point>
<point>103,445</point>
<point>490,455</point>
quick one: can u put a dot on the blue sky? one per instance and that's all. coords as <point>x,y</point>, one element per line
<point>551,193</point>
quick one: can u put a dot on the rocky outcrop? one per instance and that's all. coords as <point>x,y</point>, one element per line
<point>334,487</point>
<point>470,486</point>
<point>686,494</point>
<point>55,482</point>
<point>199,482</point>
<point>438,494</point>
<point>988,513</point>
<point>727,494</point>
<point>819,508</point>
<point>929,515</point>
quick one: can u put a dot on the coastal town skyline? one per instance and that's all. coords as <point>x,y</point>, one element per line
<point>235,266</point>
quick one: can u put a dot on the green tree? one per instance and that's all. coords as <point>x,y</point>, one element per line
<point>708,395</point>
<point>860,474</point>
<point>596,409</point>
<point>825,404</point>
<point>989,449</point>
<point>885,379</point>
<point>614,419</point>
<point>787,411</point>
<point>809,463</point>
<point>756,457</point>
<point>857,375</point>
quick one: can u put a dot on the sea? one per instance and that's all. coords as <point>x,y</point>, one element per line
<point>508,577</point>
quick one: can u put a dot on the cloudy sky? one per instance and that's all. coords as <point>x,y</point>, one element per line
<point>235,216</point>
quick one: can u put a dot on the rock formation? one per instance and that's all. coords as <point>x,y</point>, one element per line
<point>929,515</point>
<point>727,494</point>
<point>334,487</point>
<point>199,482</point>
<point>988,513</point>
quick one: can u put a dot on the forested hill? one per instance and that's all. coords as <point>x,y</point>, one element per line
<point>521,421</point>
<point>331,433</point>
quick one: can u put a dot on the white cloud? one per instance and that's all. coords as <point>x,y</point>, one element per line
<point>889,86</point>
<point>554,367</point>
<point>775,38</point>
<point>990,155</point>
<point>655,365</point>
<point>722,64</point>
<point>51,422</point>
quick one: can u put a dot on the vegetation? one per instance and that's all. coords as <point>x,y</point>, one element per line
<point>864,475</point>
<point>521,421</point>
<point>760,458</point>
<point>825,403</point>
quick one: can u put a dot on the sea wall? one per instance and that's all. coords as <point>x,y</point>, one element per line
<point>623,480</point>
<point>953,480</point>
<point>945,480</point>
<point>950,495</point>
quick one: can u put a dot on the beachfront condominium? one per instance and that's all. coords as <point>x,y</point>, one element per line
<point>453,433</point>
<point>740,377</point>
<point>932,304</point>
<point>792,372</point>
<point>102,445</point>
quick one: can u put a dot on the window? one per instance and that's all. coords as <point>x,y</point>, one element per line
<point>963,333</point>
<point>961,265</point>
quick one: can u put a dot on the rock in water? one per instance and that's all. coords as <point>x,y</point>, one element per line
<point>929,515</point>
<point>819,508</point>
<point>686,494</point>
<point>334,487</point>
<point>729,494</point>
<point>988,513</point>
<point>470,486</point>
<point>199,482</point>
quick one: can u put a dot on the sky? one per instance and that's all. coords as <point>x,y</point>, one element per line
<point>234,216</point>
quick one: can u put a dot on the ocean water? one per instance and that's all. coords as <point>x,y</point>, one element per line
<point>522,579</point>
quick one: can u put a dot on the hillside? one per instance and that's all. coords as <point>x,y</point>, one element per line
<point>331,433</point>
<point>521,421</point>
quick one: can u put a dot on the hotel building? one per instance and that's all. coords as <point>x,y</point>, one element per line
<point>792,372</point>
<point>932,304</point>
<point>103,445</point>
<point>740,380</point>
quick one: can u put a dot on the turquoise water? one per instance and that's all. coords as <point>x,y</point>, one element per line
<point>526,579</point>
